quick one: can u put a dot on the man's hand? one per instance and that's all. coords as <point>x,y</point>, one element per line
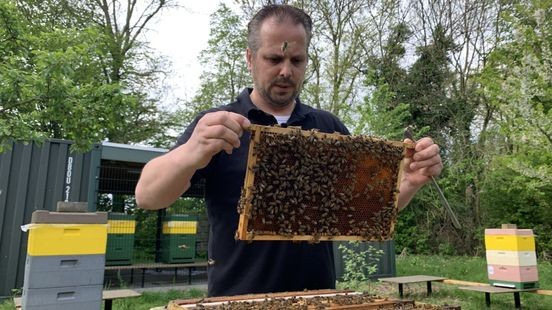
<point>213,133</point>
<point>420,164</point>
<point>166,177</point>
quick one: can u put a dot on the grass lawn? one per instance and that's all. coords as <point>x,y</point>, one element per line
<point>462,268</point>
<point>151,300</point>
<point>454,267</point>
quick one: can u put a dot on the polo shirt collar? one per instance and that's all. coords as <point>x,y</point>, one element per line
<point>247,108</point>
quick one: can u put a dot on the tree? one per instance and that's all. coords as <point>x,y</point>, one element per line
<point>76,72</point>
<point>225,71</point>
<point>336,48</point>
<point>383,113</point>
<point>428,82</point>
<point>49,84</point>
<point>16,117</point>
<point>133,65</point>
<point>517,80</point>
<point>475,27</point>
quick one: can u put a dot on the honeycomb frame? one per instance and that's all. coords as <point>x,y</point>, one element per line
<point>304,185</point>
<point>313,299</point>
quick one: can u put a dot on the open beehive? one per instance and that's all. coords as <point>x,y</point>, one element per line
<point>319,299</point>
<point>307,185</point>
<point>304,300</point>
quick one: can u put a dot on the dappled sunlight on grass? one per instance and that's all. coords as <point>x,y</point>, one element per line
<point>466,268</point>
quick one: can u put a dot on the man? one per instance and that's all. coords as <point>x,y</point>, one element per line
<point>278,40</point>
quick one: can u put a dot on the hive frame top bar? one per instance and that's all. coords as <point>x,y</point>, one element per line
<point>336,135</point>
<point>245,232</point>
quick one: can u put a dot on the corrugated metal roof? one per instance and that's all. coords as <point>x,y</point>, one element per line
<point>129,153</point>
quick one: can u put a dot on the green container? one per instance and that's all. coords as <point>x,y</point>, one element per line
<point>120,239</point>
<point>517,285</point>
<point>178,240</point>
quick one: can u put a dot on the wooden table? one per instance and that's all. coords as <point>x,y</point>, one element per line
<point>109,295</point>
<point>412,279</point>
<point>488,290</point>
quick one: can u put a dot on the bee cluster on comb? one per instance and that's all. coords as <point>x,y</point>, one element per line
<point>307,185</point>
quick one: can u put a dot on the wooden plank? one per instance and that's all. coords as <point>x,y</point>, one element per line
<point>318,134</point>
<point>122,293</point>
<point>156,265</point>
<point>461,282</point>
<point>301,299</point>
<point>543,292</point>
<point>469,283</point>
<point>248,184</point>
<point>412,279</point>
<point>494,289</point>
<point>256,296</point>
<point>269,237</point>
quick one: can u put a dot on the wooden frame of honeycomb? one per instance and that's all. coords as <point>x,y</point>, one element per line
<point>312,186</point>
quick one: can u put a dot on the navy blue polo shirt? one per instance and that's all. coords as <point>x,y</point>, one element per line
<point>241,267</point>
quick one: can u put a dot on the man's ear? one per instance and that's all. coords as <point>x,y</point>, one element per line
<point>248,56</point>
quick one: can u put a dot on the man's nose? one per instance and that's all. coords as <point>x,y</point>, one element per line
<point>286,70</point>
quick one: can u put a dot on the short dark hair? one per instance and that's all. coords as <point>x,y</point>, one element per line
<point>281,12</point>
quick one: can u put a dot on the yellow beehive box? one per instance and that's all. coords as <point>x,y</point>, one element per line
<point>510,242</point>
<point>67,239</point>
<point>180,227</point>
<point>509,238</point>
<point>121,226</point>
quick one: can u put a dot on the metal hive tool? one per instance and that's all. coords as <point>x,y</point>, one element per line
<point>307,185</point>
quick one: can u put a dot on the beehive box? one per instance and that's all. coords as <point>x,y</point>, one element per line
<point>63,271</point>
<point>511,257</point>
<point>316,299</point>
<point>65,260</point>
<point>120,239</point>
<point>82,297</point>
<point>307,185</point>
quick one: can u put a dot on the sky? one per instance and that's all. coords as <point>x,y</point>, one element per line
<point>180,34</point>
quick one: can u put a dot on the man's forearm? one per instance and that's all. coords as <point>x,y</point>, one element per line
<point>406,193</point>
<point>163,180</point>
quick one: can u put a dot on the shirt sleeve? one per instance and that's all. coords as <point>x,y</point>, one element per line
<point>342,128</point>
<point>330,123</point>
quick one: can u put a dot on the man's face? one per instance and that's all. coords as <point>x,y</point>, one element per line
<point>278,67</point>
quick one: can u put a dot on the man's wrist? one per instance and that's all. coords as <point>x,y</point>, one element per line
<point>184,159</point>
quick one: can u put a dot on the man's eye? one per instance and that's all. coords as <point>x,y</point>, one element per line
<point>274,60</point>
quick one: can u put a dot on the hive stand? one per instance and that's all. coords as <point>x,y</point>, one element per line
<point>488,290</point>
<point>412,279</point>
